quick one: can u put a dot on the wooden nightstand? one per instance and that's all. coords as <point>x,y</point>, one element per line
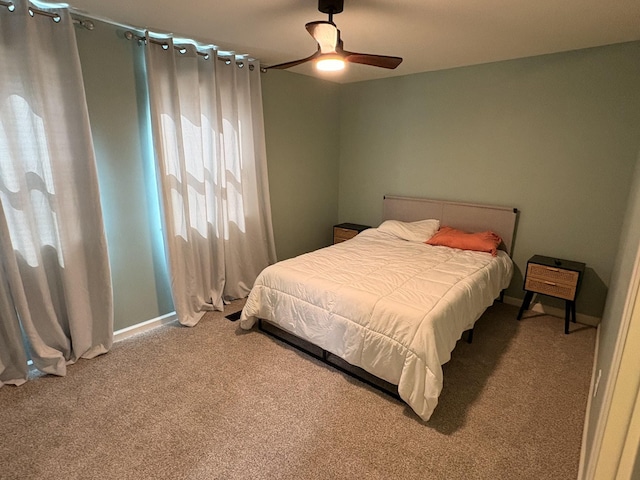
<point>345,231</point>
<point>556,278</point>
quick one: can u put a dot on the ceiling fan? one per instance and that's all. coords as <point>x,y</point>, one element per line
<point>330,54</point>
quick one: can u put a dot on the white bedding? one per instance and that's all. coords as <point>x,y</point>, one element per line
<point>392,307</point>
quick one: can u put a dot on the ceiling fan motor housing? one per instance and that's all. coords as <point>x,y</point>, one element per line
<point>330,7</point>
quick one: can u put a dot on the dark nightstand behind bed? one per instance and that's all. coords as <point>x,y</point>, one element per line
<point>345,231</point>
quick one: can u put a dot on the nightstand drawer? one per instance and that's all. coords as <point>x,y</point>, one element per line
<point>546,287</point>
<point>552,274</point>
<point>346,231</point>
<point>342,234</point>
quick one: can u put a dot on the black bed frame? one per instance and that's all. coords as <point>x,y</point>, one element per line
<point>333,360</point>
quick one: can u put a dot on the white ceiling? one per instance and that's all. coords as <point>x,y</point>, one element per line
<point>428,34</point>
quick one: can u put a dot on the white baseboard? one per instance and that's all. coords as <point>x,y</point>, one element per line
<point>553,311</point>
<point>144,326</point>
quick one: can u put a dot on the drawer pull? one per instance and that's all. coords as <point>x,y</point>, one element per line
<point>551,269</point>
<point>550,283</point>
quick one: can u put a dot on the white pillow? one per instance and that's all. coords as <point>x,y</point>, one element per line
<point>419,231</point>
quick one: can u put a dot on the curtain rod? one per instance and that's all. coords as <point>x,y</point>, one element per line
<point>83,20</point>
<point>88,24</point>
<point>129,35</point>
<point>32,10</point>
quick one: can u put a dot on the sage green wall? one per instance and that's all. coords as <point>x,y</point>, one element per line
<point>301,126</point>
<point>140,283</point>
<point>555,136</point>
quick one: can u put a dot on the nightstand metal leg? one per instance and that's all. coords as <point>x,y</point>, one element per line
<point>525,303</point>
<point>567,314</point>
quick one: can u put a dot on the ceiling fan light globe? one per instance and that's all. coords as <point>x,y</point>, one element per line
<point>330,63</point>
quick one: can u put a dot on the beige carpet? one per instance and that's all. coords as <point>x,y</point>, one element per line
<point>213,402</point>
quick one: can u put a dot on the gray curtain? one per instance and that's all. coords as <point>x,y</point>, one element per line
<point>210,152</point>
<point>55,286</point>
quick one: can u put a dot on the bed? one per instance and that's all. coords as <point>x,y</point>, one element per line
<point>385,304</point>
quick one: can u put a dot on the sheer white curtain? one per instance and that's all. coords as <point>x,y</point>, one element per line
<point>55,287</point>
<point>210,151</point>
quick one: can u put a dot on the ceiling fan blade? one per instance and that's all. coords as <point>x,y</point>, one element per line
<point>326,34</point>
<point>282,66</point>
<point>383,61</point>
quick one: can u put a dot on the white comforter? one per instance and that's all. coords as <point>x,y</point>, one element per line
<point>392,307</point>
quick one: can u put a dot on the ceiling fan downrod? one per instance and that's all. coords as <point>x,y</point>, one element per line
<point>330,7</point>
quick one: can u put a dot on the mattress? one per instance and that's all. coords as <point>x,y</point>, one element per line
<point>392,307</point>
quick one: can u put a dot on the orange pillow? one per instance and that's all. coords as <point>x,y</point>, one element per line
<point>479,242</point>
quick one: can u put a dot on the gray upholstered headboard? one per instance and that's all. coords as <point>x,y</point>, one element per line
<point>464,216</point>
